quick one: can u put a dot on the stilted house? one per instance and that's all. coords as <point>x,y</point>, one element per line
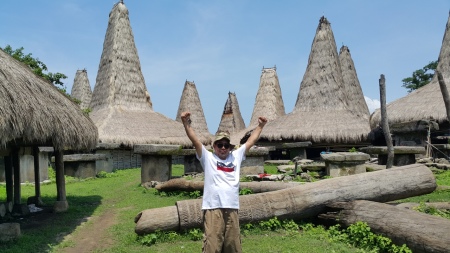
<point>81,89</point>
<point>352,86</point>
<point>34,114</point>
<point>268,103</point>
<point>322,114</point>
<point>231,120</point>
<point>421,111</point>
<point>190,101</point>
<point>121,105</point>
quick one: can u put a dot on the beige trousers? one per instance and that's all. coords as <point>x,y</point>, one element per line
<point>221,231</point>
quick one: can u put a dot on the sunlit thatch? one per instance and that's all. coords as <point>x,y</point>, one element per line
<point>352,86</point>
<point>121,105</point>
<point>231,120</point>
<point>190,101</point>
<point>425,103</point>
<point>34,112</point>
<point>81,89</point>
<point>321,112</point>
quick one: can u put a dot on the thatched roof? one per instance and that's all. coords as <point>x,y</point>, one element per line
<point>425,103</point>
<point>231,120</point>
<point>269,102</point>
<point>121,105</point>
<point>352,86</point>
<point>81,89</point>
<point>34,112</point>
<point>321,112</point>
<point>190,101</point>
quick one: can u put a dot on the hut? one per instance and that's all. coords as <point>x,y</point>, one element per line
<point>412,116</point>
<point>231,120</point>
<point>121,105</point>
<point>81,89</point>
<point>352,86</point>
<point>269,101</point>
<point>322,113</point>
<point>190,101</point>
<point>36,114</point>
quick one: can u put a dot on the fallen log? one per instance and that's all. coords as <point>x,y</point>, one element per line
<point>191,185</point>
<point>300,202</point>
<point>419,231</point>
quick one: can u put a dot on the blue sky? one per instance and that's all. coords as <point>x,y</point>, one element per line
<point>223,45</point>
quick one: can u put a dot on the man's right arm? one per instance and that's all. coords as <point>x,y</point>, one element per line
<point>186,119</point>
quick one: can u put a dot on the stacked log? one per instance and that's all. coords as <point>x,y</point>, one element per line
<point>419,231</point>
<point>181,184</point>
<point>300,202</point>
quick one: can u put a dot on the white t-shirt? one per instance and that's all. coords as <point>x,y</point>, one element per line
<point>221,187</point>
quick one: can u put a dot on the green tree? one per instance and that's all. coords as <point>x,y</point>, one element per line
<point>420,77</point>
<point>37,66</point>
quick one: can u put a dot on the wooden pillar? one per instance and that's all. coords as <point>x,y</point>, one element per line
<point>9,178</point>
<point>16,176</point>
<point>61,204</point>
<point>37,178</point>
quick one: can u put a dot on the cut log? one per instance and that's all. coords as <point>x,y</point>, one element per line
<point>419,231</point>
<point>182,184</point>
<point>304,201</point>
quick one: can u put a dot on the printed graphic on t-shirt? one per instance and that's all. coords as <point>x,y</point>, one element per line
<point>225,167</point>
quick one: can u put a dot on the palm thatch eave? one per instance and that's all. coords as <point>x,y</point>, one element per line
<point>34,112</point>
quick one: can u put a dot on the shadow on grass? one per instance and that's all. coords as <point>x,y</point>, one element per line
<point>40,231</point>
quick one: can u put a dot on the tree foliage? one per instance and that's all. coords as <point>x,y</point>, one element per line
<point>37,66</point>
<point>420,77</point>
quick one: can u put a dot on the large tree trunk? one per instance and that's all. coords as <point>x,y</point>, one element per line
<point>300,202</point>
<point>420,232</point>
<point>256,187</point>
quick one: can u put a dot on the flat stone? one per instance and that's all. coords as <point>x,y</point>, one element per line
<point>345,156</point>
<point>258,151</point>
<point>277,161</point>
<point>157,149</point>
<point>9,231</point>
<point>397,150</point>
<point>297,144</point>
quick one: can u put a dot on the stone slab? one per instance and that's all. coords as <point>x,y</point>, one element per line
<point>9,231</point>
<point>157,149</point>
<point>345,156</point>
<point>397,150</point>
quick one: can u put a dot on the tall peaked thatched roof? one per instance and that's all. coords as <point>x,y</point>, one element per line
<point>231,120</point>
<point>34,112</point>
<point>269,102</point>
<point>357,103</point>
<point>121,105</point>
<point>190,101</point>
<point>426,102</point>
<point>321,112</point>
<point>81,89</point>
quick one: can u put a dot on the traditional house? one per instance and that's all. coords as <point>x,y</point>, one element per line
<point>121,105</point>
<point>35,114</point>
<point>190,101</point>
<point>421,111</point>
<point>357,104</point>
<point>322,114</point>
<point>81,89</point>
<point>231,120</point>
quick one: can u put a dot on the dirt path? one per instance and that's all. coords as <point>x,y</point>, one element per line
<point>92,235</point>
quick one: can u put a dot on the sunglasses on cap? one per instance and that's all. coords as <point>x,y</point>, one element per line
<point>221,145</point>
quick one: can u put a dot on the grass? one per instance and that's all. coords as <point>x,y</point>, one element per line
<point>120,192</point>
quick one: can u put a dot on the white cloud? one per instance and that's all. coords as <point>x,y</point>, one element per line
<point>373,104</point>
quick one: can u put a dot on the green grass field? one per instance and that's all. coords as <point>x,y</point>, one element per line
<point>120,192</point>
